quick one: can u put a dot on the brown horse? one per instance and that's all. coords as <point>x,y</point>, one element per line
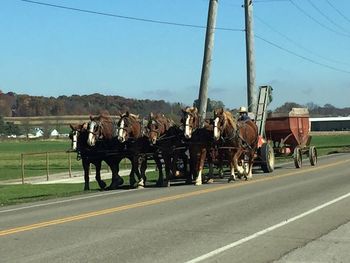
<point>100,127</point>
<point>157,126</point>
<point>101,131</point>
<point>92,155</point>
<point>166,137</point>
<point>200,142</point>
<point>133,134</point>
<point>238,140</point>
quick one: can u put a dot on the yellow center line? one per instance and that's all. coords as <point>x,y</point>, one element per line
<point>157,201</point>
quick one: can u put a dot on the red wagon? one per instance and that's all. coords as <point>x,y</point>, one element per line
<point>290,134</point>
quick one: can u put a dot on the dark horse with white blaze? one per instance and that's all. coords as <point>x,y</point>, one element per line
<point>238,140</point>
<point>92,155</point>
<point>167,138</point>
<point>133,134</point>
<point>200,140</point>
<point>102,131</point>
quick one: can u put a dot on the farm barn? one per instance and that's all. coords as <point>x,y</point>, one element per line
<point>330,124</point>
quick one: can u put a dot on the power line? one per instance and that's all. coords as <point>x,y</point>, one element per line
<point>299,45</point>
<point>301,56</point>
<point>316,21</point>
<point>326,16</point>
<point>338,11</point>
<point>129,17</point>
<point>184,25</point>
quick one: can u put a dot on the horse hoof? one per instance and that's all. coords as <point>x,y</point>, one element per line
<point>102,185</point>
<point>166,184</point>
<point>141,184</point>
<point>232,179</point>
<point>120,182</point>
<point>198,183</point>
<point>140,187</point>
<point>210,181</point>
<point>188,182</point>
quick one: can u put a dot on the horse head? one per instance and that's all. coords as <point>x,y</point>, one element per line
<point>157,126</point>
<point>100,127</point>
<point>224,123</point>
<point>190,121</point>
<point>93,129</point>
<point>128,127</point>
<point>77,130</point>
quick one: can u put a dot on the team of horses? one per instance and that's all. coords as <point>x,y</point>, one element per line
<point>221,140</point>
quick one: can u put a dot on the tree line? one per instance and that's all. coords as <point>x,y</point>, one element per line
<point>22,105</point>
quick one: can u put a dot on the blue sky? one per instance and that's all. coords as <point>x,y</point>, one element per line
<point>304,54</point>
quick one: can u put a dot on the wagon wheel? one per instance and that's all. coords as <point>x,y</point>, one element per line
<point>297,157</point>
<point>267,157</point>
<point>313,155</point>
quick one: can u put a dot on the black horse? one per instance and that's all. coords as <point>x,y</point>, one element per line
<point>167,138</point>
<point>94,155</point>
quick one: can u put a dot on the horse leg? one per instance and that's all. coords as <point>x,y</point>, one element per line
<point>194,165</point>
<point>167,164</point>
<point>221,165</point>
<point>98,164</point>
<point>211,172</point>
<point>210,159</point>
<point>239,168</point>
<point>233,175</point>
<point>143,168</point>
<point>202,155</point>
<point>117,180</point>
<point>160,181</point>
<point>233,165</point>
<point>251,159</point>
<point>137,161</point>
<point>132,180</point>
<point>86,167</point>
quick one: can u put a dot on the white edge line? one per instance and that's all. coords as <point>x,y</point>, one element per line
<point>67,201</point>
<point>262,232</point>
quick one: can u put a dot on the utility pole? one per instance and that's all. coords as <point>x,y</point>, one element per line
<point>208,49</point>
<point>249,37</point>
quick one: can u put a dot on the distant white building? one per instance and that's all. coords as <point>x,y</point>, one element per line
<point>54,133</point>
<point>330,124</point>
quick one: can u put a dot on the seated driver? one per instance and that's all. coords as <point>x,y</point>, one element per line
<point>243,114</point>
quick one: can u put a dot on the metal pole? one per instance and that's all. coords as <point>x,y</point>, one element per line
<point>249,35</point>
<point>208,49</point>
<point>47,166</point>
<point>22,165</point>
<point>69,165</point>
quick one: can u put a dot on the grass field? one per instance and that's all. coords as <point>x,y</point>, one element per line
<point>35,158</point>
<point>17,194</point>
<point>327,144</point>
<point>35,165</point>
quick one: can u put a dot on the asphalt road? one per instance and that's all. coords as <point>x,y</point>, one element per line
<point>276,217</point>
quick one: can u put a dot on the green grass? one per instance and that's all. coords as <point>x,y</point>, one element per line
<point>10,167</point>
<point>17,194</point>
<point>35,165</point>
<point>327,144</point>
